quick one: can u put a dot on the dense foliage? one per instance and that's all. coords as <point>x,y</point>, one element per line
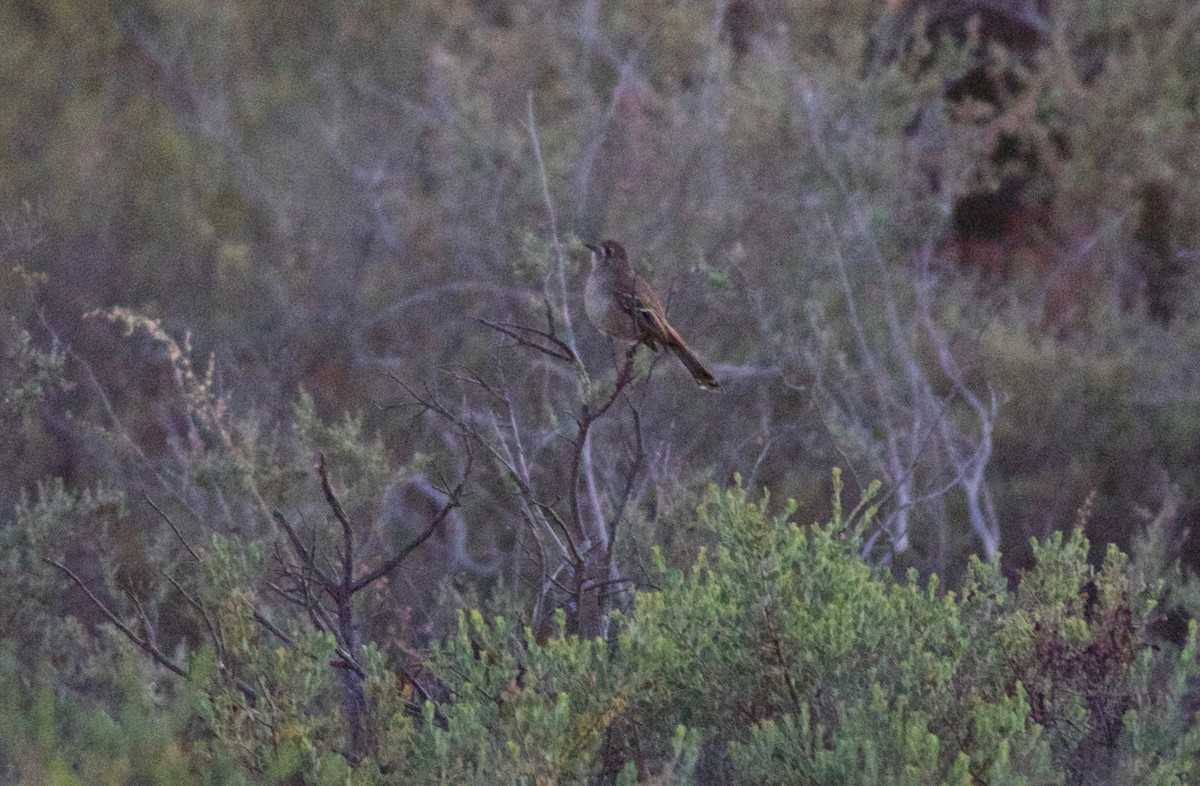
<point>778,656</point>
<point>312,470</point>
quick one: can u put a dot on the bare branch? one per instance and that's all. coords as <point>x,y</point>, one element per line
<point>552,214</point>
<point>454,499</point>
<point>266,623</point>
<point>556,348</point>
<point>213,633</point>
<point>635,468</point>
<point>144,644</point>
<point>307,555</point>
<point>171,524</point>
<point>588,416</point>
<point>148,643</point>
<point>347,531</point>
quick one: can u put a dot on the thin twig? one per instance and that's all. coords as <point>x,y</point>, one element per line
<point>171,524</point>
<point>347,531</point>
<point>453,501</point>
<point>217,640</point>
<point>587,417</point>
<point>307,556</point>
<point>559,350</point>
<point>144,644</point>
<point>266,623</point>
<point>560,257</point>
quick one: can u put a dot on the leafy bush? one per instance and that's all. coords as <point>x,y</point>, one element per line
<point>778,656</point>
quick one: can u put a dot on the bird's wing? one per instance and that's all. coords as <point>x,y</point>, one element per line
<point>647,311</point>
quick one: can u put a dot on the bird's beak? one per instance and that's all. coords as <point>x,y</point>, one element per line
<point>595,249</point>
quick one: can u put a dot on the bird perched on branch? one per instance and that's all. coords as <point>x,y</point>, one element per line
<point>623,306</point>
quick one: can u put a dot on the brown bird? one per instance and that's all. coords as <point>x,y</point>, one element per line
<point>623,306</point>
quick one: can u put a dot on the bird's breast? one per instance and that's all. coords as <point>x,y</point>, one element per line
<point>605,312</point>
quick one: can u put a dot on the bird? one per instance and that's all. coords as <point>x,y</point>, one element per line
<point>623,306</point>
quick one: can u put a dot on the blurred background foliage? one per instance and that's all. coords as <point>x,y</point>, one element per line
<point>950,246</point>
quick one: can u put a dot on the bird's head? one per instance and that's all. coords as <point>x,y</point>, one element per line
<point>607,251</point>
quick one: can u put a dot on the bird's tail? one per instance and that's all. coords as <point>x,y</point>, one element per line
<point>691,361</point>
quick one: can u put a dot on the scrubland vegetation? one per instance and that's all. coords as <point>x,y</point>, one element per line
<point>314,472</point>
